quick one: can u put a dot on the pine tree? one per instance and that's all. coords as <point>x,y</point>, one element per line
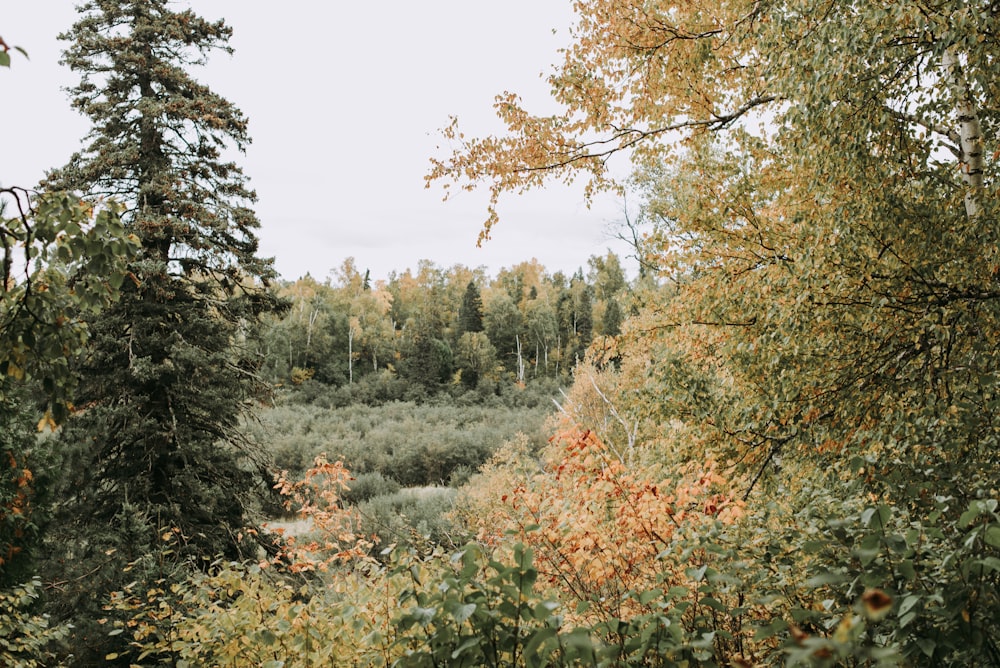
<point>585,316</point>
<point>613,316</point>
<point>166,380</point>
<point>470,313</point>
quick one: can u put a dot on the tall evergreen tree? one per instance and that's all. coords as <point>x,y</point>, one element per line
<point>584,319</point>
<point>166,379</point>
<point>613,317</point>
<point>470,313</point>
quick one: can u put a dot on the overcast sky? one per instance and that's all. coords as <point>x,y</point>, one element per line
<point>345,100</point>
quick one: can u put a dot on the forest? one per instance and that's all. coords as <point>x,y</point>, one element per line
<point>772,444</point>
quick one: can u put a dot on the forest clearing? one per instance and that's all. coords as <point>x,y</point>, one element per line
<point>764,437</point>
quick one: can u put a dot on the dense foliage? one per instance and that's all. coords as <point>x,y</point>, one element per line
<point>414,444</point>
<point>165,379</point>
<point>154,444</point>
<point>779,444</point>
<point>419,333</point>
<point>821,197</point>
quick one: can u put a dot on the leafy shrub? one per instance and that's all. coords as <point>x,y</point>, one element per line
<point>475,612</point>
<point>25,638</point>
<point>368,486</point>
<point>897,583</point>
<point>299,375</point>
<point>413,516</point>
<point>249,616</point>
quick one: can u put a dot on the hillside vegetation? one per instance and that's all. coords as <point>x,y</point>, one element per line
<point>775,445</point>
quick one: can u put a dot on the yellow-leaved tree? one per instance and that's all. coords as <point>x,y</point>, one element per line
<point>820,198</point>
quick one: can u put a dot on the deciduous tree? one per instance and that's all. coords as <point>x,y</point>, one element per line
<point>822,184</point>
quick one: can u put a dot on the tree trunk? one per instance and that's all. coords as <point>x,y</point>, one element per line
<point>309,330</point>
<point>520,359</point>
<point>970,132</point>
<point>350,355</point>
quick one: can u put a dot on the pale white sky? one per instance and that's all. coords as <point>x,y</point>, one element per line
<point>345,100</point>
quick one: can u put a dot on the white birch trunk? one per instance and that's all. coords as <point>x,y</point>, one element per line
<point>520,359</point>
<point>970,132</point>
<point>350,355</point>
<point>309,329</point>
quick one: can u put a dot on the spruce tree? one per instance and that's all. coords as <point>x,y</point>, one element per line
<point>167,379</point>
<point>585,317</point>
<point>613,317</point>
<point>470,313</point>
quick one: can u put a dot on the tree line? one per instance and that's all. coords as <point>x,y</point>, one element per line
<point>434,328</point>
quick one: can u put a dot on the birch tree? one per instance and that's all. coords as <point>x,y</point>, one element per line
<point>820,181</point>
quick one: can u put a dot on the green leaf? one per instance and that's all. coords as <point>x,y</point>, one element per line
<point>545,609</point>
<point>992,536</point>
<point>531,649</point>
<point>866,516</point>
<point>462,612</point>
<point>648,596</point>
<point>989,563</point>
<point>970,515</point>
<point>713,603</point>
<point>464,646</point>
<point>825,578</point>
<point>877,517</point>
<point>814,546</point>
<point>908,602</point>
<point>424,616</point>
<point>926,645</point>
<point>5,62</point>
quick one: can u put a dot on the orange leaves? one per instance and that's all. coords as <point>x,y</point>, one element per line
<point>333,533</point>
<point>599,527</point>
<point>635,78</point>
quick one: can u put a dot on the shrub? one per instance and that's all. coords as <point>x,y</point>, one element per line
<point>25,638</point>
<point>368,486</point>
<point>412,517</point>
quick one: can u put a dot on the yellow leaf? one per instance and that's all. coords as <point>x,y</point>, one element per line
<point>47,421</point>
<point>14,371</point>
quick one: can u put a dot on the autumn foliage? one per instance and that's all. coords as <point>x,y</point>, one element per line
<point>334,533</point>
<point>15,508</point>
<point>786,454</point>
<point>598,527</point>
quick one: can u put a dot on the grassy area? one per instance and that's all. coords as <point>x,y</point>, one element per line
<point>411,444</point>
<point>407,458</point>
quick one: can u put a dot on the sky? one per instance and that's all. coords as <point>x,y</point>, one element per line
<point>345,100</point>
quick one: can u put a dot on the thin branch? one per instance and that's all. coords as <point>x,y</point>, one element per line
<point>625,138</point>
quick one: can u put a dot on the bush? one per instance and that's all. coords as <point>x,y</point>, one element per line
<point>412,517</point>
<point>368,486</point>
<point>26,637</point>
